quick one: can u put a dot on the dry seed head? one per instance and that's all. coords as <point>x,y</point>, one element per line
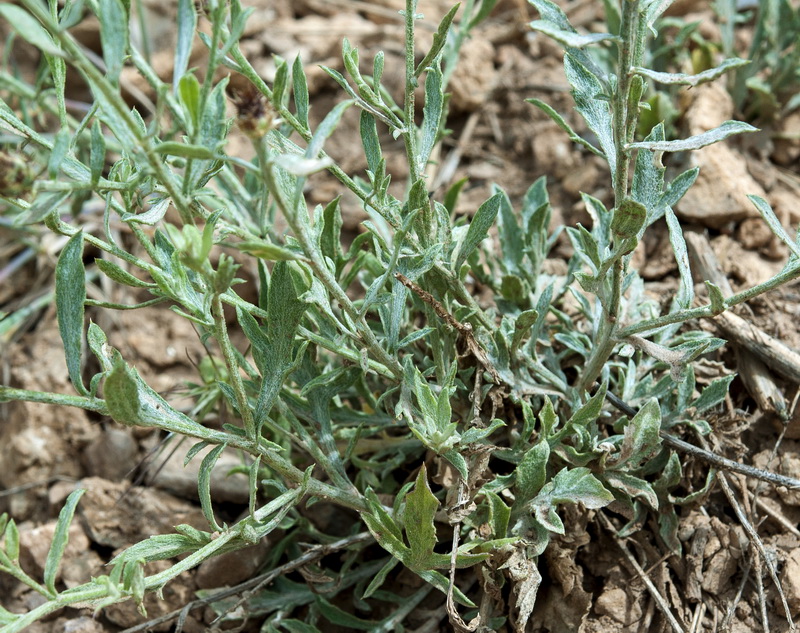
<point>16,177</point>
<point>255,116</point>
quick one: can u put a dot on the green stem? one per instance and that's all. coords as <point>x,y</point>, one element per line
<point>706,311</point>
<point>410,134</point>
<point>269,457</point>
<point>625,116</point>
<point>95,405</point>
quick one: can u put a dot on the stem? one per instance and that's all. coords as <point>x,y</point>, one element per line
<point>410,134</point>
<point>281,465</point>
<point>98,81</point>
<point>630,52</point>
<point>706,311</point>
<point>232,363</point>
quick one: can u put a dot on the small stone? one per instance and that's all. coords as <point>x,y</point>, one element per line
<point>112,455</point>
<point>232,568</point>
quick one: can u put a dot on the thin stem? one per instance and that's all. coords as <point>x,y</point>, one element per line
<point>221,334</point>
<point>707,311</point>
<point>410,134</point>
<point>279,464</point>
<point>625,116</point>
<point>109,92</point>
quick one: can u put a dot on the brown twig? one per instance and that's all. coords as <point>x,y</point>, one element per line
<point>464,329</point>
<point>660,601</point>
<point>718,461</point>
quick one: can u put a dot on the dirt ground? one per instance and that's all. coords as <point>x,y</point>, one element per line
<point>135,491</point>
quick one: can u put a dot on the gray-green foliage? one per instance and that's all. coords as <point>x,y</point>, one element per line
<point>364,360</point>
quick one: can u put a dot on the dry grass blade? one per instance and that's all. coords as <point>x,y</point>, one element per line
<point>661,601</point>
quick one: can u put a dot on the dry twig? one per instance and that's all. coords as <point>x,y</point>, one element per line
<point>660,601</point>
<point>464,329</point>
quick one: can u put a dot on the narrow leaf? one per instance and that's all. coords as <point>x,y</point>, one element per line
<point>421,507</point>
<point>60,539</point>
<point>716,298</point>
<point>113,271</point>
<point>113,36</point>
<point>70,298</point>
<point>570,39</point>
<point>204,485</point>
<point>187,24</point>
<point>560,122</point>
<point>586,90</point>
<point>774,223</point>
<point>478,228</point>
<point>29,28</point>
<point>432,115</point>
<point>300,87</point>
<point>716,135</point>
<point>439,39</point>
<point>690,80</point>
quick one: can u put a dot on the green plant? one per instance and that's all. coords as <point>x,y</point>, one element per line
<point>341,395</point>
<point>768,86</point>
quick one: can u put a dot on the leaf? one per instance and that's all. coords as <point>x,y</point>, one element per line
<point>589,412</point>
<point>713,394</point>
<point>432,116</point>
<point>531,472</point>
<point>586,90</point>
<point>115,272</point>
<point>499,514</point>
<point>370,141</point>
<point>326,128</point>
<point>380,578</point>
<point>158,547</point>
<point>29,29</point>
<point>574,485</point>
<point>774,223</point>
<point>337,616</point>
<point>60,148</point>
<point>97,157</point>
<point>300,88</point>
<point>70,298</point>
<point>204,485</point>
<point>690,80</point>
<point>11,540</point>
<point>152,216</point>
<point>267,251</point>
<point>632,486</point>
<point>641,439</point>
<point>421,507</point>
<point>728,128</point>
<point>628,219</point>
<point>60,539</point>
<point>685,294</point>
<point>561,122</point>
<point>113,36</point>
<point>187,24</point>
<point>716,298</point>
<point>189,93</point>
<point>440,38</point>
<point>479,227</point>
<point>185,150</point>
<point>571,39</point>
